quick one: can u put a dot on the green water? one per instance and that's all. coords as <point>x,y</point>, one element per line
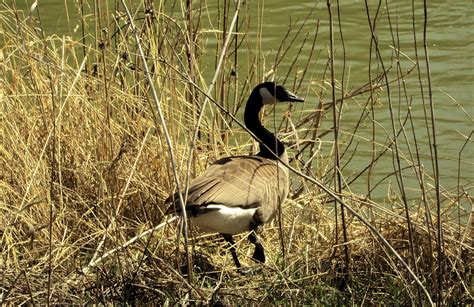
<point>450,42</point>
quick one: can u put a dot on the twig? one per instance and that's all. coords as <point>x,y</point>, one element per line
<point>162,124</point>
<point>119,205</point>
<point>336,122</point>
<point>86,270</point>
<point>440,248</point>
<point>399,173</point>
<point>201,114</point>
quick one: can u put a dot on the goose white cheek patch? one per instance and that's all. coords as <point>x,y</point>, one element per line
<point>267,97</point>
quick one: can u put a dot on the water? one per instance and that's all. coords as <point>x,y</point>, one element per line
<point>450,42</point>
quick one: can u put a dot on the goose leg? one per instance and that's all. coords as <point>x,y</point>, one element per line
<point>231,242</point>
<point>259,253</point>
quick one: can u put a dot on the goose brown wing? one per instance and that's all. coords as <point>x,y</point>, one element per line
<point>244,181</point>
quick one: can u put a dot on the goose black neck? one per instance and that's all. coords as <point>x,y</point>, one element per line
<point>252,122</point>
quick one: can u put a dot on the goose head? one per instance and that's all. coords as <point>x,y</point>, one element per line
<point>265,94</point>
<point>272,93</point>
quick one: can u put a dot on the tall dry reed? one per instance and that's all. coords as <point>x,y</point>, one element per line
<point>98,130</point>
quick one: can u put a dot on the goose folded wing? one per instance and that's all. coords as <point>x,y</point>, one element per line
<point>234,182</point>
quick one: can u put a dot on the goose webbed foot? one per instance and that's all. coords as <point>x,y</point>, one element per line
<point>259,253</point>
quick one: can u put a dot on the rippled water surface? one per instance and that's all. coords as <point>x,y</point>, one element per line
<point>450,43</point>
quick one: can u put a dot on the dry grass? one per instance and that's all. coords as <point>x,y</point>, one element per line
<point>84,170</point>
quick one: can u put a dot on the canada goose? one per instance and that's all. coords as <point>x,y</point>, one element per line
<point>240,193</point>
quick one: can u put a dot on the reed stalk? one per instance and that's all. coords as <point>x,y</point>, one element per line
<point>100,126</point>
<point>336,117</point>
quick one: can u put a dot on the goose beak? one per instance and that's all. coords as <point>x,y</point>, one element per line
<point>291,97</point>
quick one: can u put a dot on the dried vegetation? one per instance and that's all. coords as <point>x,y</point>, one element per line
<point>85,167</point>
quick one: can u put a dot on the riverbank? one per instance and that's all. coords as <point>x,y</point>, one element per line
<point>86,166</point>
